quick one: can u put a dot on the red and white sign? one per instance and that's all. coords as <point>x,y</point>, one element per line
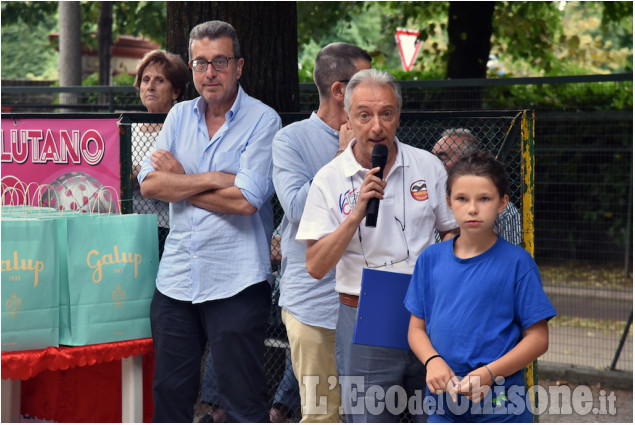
<point>408,45</point>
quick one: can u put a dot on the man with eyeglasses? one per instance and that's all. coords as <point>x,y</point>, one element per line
<point>453,144</point>
<point>213,165</point>
<point>310,306</point>
<point>333,225</point>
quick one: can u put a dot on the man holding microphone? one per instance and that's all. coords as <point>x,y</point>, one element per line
<point>412,204</point>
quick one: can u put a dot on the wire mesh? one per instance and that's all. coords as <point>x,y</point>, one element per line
<point>495,132</point>
<point>583,192</point>
<point>583,234</point>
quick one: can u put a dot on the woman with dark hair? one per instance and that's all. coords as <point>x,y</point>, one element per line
<point>162,80</point>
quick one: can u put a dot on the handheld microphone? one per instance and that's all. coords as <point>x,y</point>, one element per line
<point>377,159</point>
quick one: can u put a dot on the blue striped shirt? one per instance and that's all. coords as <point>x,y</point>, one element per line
<point>299,151</point>
<point>209,255</point>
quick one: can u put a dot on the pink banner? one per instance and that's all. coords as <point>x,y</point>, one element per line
<point>77,158</point>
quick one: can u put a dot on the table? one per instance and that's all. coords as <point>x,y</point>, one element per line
<point>31,377</point>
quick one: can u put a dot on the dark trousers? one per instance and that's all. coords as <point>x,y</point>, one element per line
<point>236,328</point>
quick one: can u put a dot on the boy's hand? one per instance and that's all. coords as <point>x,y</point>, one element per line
<point>441,378</point>
<point>475,385</point>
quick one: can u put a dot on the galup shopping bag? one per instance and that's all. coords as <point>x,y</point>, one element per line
<point>112,266</point>
<point>30,284</point>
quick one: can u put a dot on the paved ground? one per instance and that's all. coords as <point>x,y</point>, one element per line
<point>622,404</point>
<point>592,351</point>
<point>588,347</point>
<point>591,303</point>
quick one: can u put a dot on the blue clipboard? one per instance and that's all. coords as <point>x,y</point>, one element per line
<point>382,317</point>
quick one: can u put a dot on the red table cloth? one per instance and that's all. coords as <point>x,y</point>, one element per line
<point>78,384</point>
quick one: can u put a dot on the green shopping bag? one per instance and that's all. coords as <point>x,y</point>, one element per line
<point>30,284</point>
<point>59,218</point>
<point>112,263</point>
<point>24,211</point>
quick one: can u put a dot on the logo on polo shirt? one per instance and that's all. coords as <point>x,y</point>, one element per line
<point>348,200</point>
<point>419,190</point>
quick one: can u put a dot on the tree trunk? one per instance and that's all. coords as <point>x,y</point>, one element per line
<point>267,32</point>
<point>469,33</point>
<point>70,56</point>
<point>104,36</point>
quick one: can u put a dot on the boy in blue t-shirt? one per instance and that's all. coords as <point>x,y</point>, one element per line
<point>479,313</point>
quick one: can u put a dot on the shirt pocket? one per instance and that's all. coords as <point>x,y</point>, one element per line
<point>226,162</point>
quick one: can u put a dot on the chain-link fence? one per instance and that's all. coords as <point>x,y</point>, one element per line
<point>583,196</point>
<point>584,234</point>
<point>496,132</point>
<point>583,192</point>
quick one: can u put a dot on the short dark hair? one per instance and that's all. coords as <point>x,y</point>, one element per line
<point>214,30</point>
<point>173,67</point>
<point>336,62</point>
<point>481,164</point>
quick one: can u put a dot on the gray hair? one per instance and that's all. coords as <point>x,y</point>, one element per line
<point>471,143</point>
<point>214,30</point>
<point>375,77</point>
<point>336,62</point>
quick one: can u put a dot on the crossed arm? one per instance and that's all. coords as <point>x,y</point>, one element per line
<point>212,190</point>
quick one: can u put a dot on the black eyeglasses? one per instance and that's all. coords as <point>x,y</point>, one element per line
<point>402,227</point>
<point>219,64</point>
<point>343,81</point>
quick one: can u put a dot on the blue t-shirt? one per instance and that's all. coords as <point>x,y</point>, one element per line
<point>475,309</point>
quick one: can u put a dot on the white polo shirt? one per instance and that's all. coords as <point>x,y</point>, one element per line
<point>413,206</point>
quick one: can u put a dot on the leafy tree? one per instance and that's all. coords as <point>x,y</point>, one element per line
<point>21,38</point>
<point>519,46</point>
<point>26,26</point>
<point>528,38</point>
<point>597,35</point>
<point>146,18</point>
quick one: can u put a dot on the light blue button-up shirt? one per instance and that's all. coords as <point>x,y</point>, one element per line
<point>299,151</point>
<point>208,255</point>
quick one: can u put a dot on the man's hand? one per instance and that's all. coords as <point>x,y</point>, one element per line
<point>372,187</point>
<point>475,385</point>
<point>163,160</point>
<point>346,135</point>
<point>441,378</point>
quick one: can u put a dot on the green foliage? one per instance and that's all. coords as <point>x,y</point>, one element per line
<point>578,38</point>
<point>558,39</point>
<point>29,12</point>
<point>563,97</point>
<point>525,45</point>
<point>617,14</point>
<point>316,18</point>
<point>21,38</point>
<point>371,25</point>
<point>146,18</point>
<point>27,25</point>
<point>120,80</point>
<point>117,80</point>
